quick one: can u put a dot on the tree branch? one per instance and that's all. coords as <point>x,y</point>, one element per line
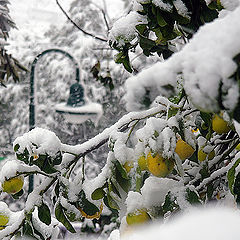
<point>122,125</point>
<point>83,31</point>
<point>105,19</point>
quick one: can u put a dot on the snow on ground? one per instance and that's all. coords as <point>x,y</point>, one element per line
<point>214,222</point>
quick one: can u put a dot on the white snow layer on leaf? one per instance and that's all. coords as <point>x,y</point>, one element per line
<point>157,136</point>
<point>136,6</point>
<point>155,189</point>
<point>4,210</point>
<point>181,8</point>
<point>46,141</point>
<point>134,201</point>
<point>162,5</point>
<point>124,30</point>
<point>152,79</point>
<point>204,62</point>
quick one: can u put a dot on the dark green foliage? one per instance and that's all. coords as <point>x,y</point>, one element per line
<point>61,217</point>
<point>162,23</point>
<point>44,214</point>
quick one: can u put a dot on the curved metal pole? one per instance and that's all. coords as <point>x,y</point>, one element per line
<point>32,92</point>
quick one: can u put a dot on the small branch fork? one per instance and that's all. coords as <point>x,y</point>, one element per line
<point>82,30</point>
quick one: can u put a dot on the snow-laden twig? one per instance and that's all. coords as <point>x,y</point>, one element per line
<point>96,142</point>
<point>215,175</point>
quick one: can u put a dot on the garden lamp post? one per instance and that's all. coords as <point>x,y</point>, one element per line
<point>76,110</point>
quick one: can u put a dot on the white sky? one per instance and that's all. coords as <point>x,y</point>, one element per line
<point>39,14</point>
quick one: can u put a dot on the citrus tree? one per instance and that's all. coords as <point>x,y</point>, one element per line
<point>177,147</point>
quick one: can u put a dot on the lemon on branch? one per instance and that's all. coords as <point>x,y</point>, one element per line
<point>183,149</point>
<point>4,215</point>
<point>139,216</point>
<point>219,125</point>
<point>3,221</point>
<point>13,185</point>
<point>159,166</point>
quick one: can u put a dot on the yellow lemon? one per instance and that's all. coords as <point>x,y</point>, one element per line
<point>183,149</point>
<point>13,185</point>
<point>3,220</point>
<point>142,163</point>
<point>159,166</point>
<point>139,216</point>
<point>128,165</point>
<point>96,215</point>
<point>202,155</point>
<point>219,125</point>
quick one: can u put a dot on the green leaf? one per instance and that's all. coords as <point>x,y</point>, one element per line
<point>121,169</point>
<point>44,162</point>
<point>56,189</point>
<point>59,213</point>
<point>192,197</point>
<point>85,205</point>
<point>169,203</point>
<point>210,191</point>
<point>97,194</point>
<point>113,187</point>
<point>58,158</point>
<point>146,43</point>
<point>23,156</point>
<point>172,111</point>
<point>208,15</point>
<point>16,147</point>
<point>231,175</point>
<point>112,203</point>
<point>160,20</point>
<point>215,5</point>
<point>123,182</point>
<point>127,65</point>
<point>236,188</point>
<point>118,57</point>
<point>204,171</point>
<point>141,28</point>
<point>206,117</point>
<point>27,229</point>
<point>44,214</point>
<point>139,180</point>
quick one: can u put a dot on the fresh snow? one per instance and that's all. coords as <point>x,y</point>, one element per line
<point>204,62</point>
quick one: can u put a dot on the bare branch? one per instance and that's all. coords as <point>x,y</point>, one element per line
<point>105,19</point>
<point>86,33</point>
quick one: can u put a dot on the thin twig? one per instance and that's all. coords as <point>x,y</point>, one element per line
<point>83,169</point>
<point>86,33</point>
<point>131,130</point>
<point>105,19</point>
<point>225,154</point>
